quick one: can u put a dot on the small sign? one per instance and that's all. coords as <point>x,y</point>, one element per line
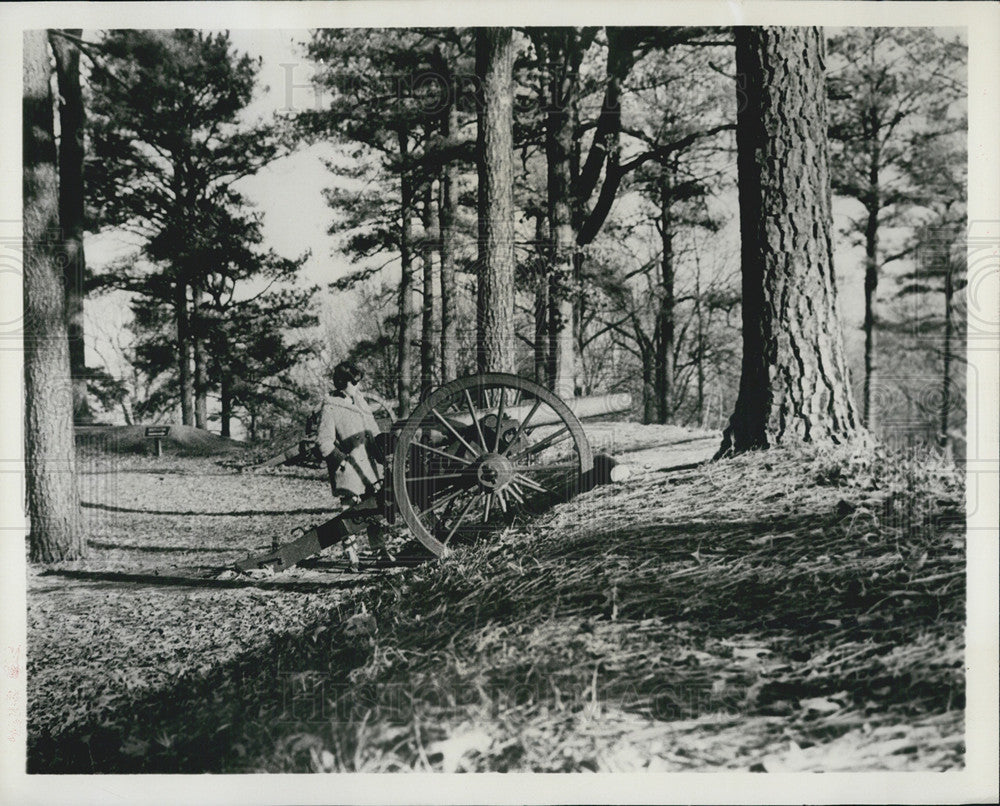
<point>157,430</point>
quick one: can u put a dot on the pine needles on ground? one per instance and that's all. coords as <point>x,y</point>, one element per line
<point>780,611</point>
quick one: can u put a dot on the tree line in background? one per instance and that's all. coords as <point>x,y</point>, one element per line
<point>213,311</point>
<point>624,166</point>
<point>567,300</point>
<point>547,201</point>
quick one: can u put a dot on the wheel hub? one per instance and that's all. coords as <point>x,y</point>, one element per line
<point>494,472</point>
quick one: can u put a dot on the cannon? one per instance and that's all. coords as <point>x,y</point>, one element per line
<point>475,455</point>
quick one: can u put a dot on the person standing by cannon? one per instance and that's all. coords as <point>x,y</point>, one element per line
<point>346,426</point>
<point>346,430</point>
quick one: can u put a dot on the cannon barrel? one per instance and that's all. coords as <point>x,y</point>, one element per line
<point>582,407</point>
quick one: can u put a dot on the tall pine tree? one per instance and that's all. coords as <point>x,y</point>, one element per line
<point>495,155</point>
<point>168,145</point>
<point>50,466</point>
<point>794,382</point>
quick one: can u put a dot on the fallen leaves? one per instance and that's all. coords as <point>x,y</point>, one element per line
<point>733,616</point>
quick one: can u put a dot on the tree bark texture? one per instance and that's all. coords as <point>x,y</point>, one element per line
<point>200,362</point>
<point>404,347</point>
<point>495,151</point>
<point>427,341</point>
<point>50,463</point>
<point>71,126</point>
<point>182,316</point>
<point>794,384</point>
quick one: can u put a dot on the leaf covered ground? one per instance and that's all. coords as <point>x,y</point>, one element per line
<point>794,610</point>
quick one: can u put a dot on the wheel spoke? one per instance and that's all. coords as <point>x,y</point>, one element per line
<point>522,426</point>
<point>486,507</point>
<point>461,517</point>
<point>513,491</point>
<point>541,445</point>
<point>528,482</point>
<point>472,414</point>
<point>441,501</point>
<point>439,452</point>
<point>502,501</point>
<point>496,442</point>
<point>446,512</point>
<point>455,433</point>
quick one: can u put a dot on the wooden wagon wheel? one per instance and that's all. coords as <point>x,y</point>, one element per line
<point>481,451</point>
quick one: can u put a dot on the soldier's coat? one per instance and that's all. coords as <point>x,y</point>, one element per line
<point>343,418</point>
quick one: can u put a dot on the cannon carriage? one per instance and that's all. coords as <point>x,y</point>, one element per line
<point>476,455</point>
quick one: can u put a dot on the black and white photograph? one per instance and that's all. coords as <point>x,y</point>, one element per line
<point>602,390</point>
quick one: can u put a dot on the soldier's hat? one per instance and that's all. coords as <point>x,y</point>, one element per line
<point>346,372</point>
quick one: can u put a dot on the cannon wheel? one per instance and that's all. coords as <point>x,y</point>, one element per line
<point>458,478</point>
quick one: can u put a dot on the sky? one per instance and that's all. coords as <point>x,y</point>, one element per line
<point>290,190</point>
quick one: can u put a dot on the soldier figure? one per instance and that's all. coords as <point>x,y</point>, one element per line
<point>346,427</point>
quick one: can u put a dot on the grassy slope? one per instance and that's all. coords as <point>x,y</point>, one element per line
<point>779,611</point>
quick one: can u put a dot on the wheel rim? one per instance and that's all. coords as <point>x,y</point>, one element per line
<point>482,452</point>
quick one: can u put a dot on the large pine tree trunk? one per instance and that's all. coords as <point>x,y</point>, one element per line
<point>71,125</point>
<point>50,462</point>
<point>427,342</point>
<point>495,152</point>
<point>181,315</point>
<point>200,363</point>
<point>447,204</point>
<point>404,347</point>
<point>794,383</point>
